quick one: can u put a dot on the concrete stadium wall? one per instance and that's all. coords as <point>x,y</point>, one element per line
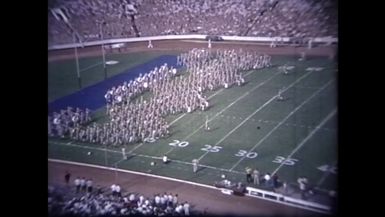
<point>324,40</point>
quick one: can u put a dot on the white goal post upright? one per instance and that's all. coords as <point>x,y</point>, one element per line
<point>77,63</point>
<point>103,51</point>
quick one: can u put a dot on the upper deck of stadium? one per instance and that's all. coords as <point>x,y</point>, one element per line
<point>138,18</point>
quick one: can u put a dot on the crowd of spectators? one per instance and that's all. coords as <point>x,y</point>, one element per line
<point>131,18</point>
<point>64,202</point>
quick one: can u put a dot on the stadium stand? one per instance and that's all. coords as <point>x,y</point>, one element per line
<point>64,202</point>
<point>132,18</point>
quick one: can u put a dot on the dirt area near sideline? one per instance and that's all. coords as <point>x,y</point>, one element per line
<point>185,45</point>
<point>210,201</point>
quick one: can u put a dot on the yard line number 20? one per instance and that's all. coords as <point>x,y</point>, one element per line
<point>178,143</point>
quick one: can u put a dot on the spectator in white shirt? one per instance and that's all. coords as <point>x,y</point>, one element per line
<point>162,202</point>
<point>83,184</point>
<point>175,200</point>
<point>170,200</point>
<point>157,200</point>
<point>141,199</point>
<point>113,189</point>
<point>117,189</point>
<point>186,208</point>
<point>267,178</point>
<point>179,209</point>
<point>77,184</point>
<point>89,185</point>
<point>132,197</point>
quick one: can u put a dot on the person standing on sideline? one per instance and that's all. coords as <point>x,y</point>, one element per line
<point>280,97</point>
<point>284,69</point>
<point>209,44</point>
<point>309,44</point>
<point>256,177</point>
<point>150,44</point>
<point>275,181</point>
<point>67,177</point>
<point>248,175</point>
<point>207,128</point>
<point>124,153</point>
<point>195,165</point>
<point>267,179</point>
<point>165,159</point>
<point>273,44</point>
<point>302,186</point>
<point>285,189</point>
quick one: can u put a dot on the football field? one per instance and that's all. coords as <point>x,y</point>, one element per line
<point>249,127</point>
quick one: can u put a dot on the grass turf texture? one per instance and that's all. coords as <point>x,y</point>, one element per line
<point>311,95</point>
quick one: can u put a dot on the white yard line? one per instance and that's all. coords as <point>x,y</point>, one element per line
<point>141,155</point>
<point>131,151</point>
<point>84,146</point>
<point>252,114</point>
<point>174,121</point>
<point>116,163</point>
<point>295,125</point>
<point>217,92</point>
<point>331,114</point>
<point>282,122</point>
<point>224,109</point>
<point>91,66</point>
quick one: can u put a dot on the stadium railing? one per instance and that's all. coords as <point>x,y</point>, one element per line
<point>268,195</point>
<point>321,40</point>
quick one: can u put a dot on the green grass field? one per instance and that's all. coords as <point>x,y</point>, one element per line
<point>296,137</point>
<point>62,75</point>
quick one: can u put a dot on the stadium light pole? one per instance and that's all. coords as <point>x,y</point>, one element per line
<point>103,51</point>
<point>105,156</point>
<point>77,62</point>
<point>116,172</point>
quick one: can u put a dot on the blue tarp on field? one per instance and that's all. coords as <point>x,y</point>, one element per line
<point>92,97</point>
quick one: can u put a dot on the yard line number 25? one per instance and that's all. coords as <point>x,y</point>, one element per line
<point>210,148</point>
